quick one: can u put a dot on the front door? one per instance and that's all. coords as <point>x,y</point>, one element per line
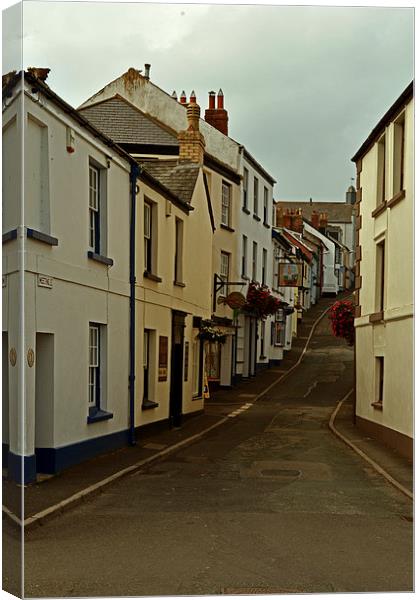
<point>177,355</point>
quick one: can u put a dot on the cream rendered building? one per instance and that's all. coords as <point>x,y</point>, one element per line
<point>384,277</point>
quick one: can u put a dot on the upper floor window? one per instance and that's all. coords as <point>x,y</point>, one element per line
<point>179,234</point>
<point>398,158</point>
<point>226,204</point>
<point>380,186</point>
<point>266,206</point>
<point>94,210</point>
<point>264,267</point>
<point>380,276</point>
<point>244,255</point>
<point>245,189</point>
<point>256,193</point>
<point>224,266</point>
<point>254,260</point>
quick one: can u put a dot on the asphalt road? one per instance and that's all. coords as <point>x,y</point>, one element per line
<point>269,502</point>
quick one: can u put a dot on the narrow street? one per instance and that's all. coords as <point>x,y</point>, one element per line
<point>270,502</point>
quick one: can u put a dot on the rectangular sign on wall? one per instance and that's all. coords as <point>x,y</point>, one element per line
<point>290,274</point>
<point>163,358</point>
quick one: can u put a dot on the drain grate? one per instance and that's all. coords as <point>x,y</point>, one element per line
<point>258,591</point>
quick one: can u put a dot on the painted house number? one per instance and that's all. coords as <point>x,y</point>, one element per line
<point>44,281</point>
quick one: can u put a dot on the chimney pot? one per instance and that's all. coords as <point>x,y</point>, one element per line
<point>220,99</point>
<point>174,95</point>
<point>193,98</point>
<point>183,97</point>
<point>212,100</point>
<point>147,70</point>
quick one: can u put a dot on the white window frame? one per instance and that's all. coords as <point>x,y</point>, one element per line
<point>226,203</point>
<point>245,187</point>
<point>179,243</point>
<point>94,365</point>
<point>244,255</point>
<point>147,234</point>
<point>94,209</point>
<point>254,260</point>
<point>265,208</point>
<point>224,265</point>
<point>264,267</point>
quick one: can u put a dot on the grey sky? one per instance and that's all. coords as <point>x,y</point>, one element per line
<point>303,85</point>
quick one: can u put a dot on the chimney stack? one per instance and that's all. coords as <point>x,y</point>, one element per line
<point>191,141</point>
<point>323,222</point>
<point>183,97</point>
<point>39,73</point>
<point>298,221</point>
<point>147,71</point>
<point>315,219</point>
<point>217,117</point>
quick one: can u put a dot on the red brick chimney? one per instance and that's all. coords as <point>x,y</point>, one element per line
<point>183,97</point>
<point>279,216</point>
<point>323,222</point>
<point>217,117</point>
<point>298,221</point>
<point>315,219</point>
<point>287,219</point>
<point>191,141</point>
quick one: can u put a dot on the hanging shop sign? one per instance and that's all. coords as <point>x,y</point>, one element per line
<point>163,358</point>
<point>235,300</point>
<point>290,274</point>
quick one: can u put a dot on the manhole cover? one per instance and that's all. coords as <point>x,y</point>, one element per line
<point>280,473</point>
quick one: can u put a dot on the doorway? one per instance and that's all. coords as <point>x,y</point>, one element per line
<point>177,359</point>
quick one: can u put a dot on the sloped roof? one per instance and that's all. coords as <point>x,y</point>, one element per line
<point>126,124</point>
<point>179,177</point>
<point>338,212</point>
<point>298,244</point>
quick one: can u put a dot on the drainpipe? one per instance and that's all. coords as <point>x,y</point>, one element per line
<point>134,173</point>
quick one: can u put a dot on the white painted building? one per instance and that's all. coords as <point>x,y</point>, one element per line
<point>110,339</point>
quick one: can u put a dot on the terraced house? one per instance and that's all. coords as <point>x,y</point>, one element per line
<point>384,277</point>
<point>241,193</point>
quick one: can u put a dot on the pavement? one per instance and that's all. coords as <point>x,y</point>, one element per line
<point>50,495</point>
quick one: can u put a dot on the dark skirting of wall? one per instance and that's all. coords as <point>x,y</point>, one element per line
<point>21,473</point>
<point>262,366</point>
<point>399,442</point>
<point>275,362</point>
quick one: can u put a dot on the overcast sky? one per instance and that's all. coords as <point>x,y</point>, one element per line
<point>303,86</point>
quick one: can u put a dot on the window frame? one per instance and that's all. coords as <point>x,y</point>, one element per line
<point>148,236</point>
<point>254,260</point>
<point>226,206</point>
<point>245,188</point>
<point>244,255</point>
<point>224,256</point>
<point>256,196</point>
<point>94,210</point>
<point>264,266</point>
<point>399,134</point>
<point>265,207</point>
<point>179,250</point>
<point>381,171</point>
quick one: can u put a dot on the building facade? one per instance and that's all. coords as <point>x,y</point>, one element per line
<point>384,277</point>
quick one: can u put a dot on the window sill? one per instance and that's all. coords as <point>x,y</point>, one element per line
<point>179,283</point>
<point>396,198</point>
<point>9,235</point>
<point>199,397</point>
<point>266,225</point>
<point>227,227</point>
<point>244,277</point>
<point>379,209</point>
<point>41,237</point>
<point>377,405</point>
<point>97,414</point>
<point>246,211</point>
<point>151,276</point>
<point>256,217</point>
<point>99,258</point>
<point>376,317</point>
<point>148,404</point>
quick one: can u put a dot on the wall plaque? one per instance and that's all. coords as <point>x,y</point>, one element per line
<point>31,357</point>
<point>13,356</point>
<point>163,358</point>
<point>45,281</point>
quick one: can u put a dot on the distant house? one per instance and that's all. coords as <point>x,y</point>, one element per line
<point>339,225</point>
<point>384,277</point>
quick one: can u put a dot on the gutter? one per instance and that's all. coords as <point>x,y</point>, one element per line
<point>134,173</point>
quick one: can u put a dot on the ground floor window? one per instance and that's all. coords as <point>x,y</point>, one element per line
<point>94,391</point>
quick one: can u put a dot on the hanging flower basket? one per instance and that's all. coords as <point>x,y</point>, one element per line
<point>341,315</point>
<point>260,301</point>
<point>210,333</point>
